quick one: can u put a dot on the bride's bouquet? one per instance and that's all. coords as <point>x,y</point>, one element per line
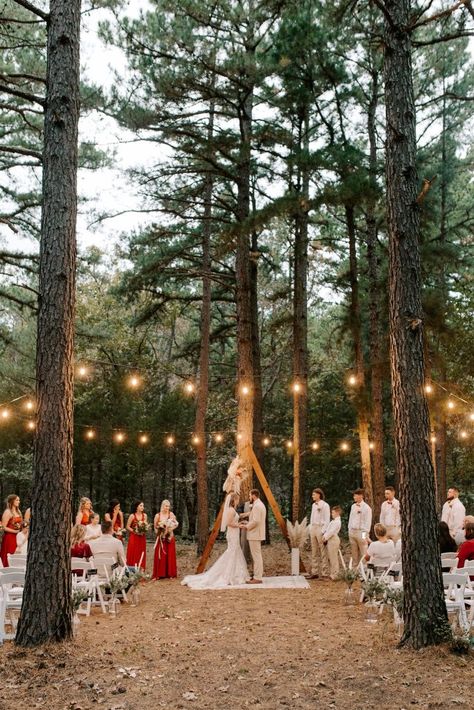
<point>142,527</point>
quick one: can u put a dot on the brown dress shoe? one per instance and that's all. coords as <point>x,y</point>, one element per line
<point>254,581</point>
<point>313,576</point>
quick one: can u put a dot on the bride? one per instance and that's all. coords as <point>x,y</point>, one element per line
<point>230,568</point>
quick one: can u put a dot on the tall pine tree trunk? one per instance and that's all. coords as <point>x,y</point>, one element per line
<point>424,608</point>
<point>300,321</point>
<point>360,397</point>
<point>375,349</point>
<point>47,608</point>
<point>203,385</point>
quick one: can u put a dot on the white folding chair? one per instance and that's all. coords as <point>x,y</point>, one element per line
<point>454,586</point>
<point>17,561</point>
<point>447,555</point>
<point>11,594</point>
<point>449,563</point>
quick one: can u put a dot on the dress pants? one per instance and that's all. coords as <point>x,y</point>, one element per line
<point>319,555</point>
<point>256,552</point>
<point>332,547</point>
<point>358,545</point>
<point>393,533</point>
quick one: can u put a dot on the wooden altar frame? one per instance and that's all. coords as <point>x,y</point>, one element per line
<point>249,455</point>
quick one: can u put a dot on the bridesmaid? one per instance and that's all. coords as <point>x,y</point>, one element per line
<point>12,521</point>
<point>85,512</point>
<point>136,549</point>
<point>115,516</point>
<point>164,562</point>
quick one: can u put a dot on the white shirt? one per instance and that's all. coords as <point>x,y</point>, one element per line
<point>381,553</point>
<point>109,545</point>
<point>398,550</point>
<point>93,531</point>
<point>360,517</point>
<point>390,513</point>
<point>453,514</point>
<point>333,528</point>
<point>320,514</point>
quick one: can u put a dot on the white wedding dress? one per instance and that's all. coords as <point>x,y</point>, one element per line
<point>228,570</point>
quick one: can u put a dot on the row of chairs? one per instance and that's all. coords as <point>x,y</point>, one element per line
<point>94,581</point>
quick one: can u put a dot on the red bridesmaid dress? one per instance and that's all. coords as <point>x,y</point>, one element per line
<point>86,518</point>
<point>164,561</point>
<point>118,526</point>
<point>9,540</point>
<point>136,546</point>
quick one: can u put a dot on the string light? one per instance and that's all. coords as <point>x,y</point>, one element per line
<point>296,387</point>
<point>239,436</point>
<point>463,434</point>
<point>266,441</point>
<point>29,405</point>
<point>428,389</point>
<point>315,445</point>
<point>90,434</point>
<point>5,413</point>
<point>170,440</point>
<point>352,380</point>
<point>31,425</point>
<point>471,416</point>
<point>450,404</point>
<point>195,440</point>
<point>82,371</point>
<point>245,390</point>
<point>371,445</point>
<point>143,439</point>
<point>134,381</point>
<point>218,438</point>
<point>189,387</point>
<point>119,437</point>
<point>433,439</point>
<point>289,444</point>
<point>345,446</point>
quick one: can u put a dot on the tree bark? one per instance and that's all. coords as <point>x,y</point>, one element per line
<point>375,349</point>
<point>47,606</point>
<point>203,384</point>
<point>424,611</point>
<point>360,396</point>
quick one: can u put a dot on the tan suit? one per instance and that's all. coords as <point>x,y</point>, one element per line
<point>255,535</point>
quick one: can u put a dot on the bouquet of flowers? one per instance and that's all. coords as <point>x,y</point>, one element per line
<point>78,596</point>
<point>117,583</point>
<point>141,527</point>
<point>349,575</point>
<point>121,532</point>
<point>164,529</point>
<point>16,526</point>
<point>374,589</point>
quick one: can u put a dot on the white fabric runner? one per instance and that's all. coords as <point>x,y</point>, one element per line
<point>293,582</point>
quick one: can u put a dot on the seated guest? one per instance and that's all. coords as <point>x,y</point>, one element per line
<point>93,530</point>
<point>107,546</point>
<point>466,551</point>
<point>460,536</point>
<point>380,553</point>
<point>79,547</point>
<point>446,542</point>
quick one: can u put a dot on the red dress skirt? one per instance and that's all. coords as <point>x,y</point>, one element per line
<point>136,548</point>
<point>164,561</point>
<point>9,541</point>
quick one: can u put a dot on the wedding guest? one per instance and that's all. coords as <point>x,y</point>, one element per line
<point>380,553</point>
<point>453,512</point>
<point>136,525</point>
<point>320,517</point>
<point>108,546</point>
<point>460,537</point>
<point>466,551</point>
<point>446,542</point>
<point>390,514</point>
<point>84,512</point>
<point>360,520</point>
<point>12,522</point>
<point>164,560</point>
<point>398,551</point>
<point>79,547</point>
<point>22,536</point>
<point>115,516</point>
<point>93,530</point>
<point>332,542</point>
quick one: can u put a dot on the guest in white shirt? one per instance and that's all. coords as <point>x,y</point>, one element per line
<point>108,546</point>
<point>332,542</point>
<point>93,530</point>
<point>390,514</point>
<point>320,517</point>
<point>453,512</point>
<point>381,553</point>
<point>460,536</point>
<point>360,521</point>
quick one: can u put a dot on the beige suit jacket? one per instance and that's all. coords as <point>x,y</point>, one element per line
<point>256,524</point>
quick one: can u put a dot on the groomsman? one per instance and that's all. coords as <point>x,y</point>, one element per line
<point>332,542</point>
<point>320,517</point>
<point>453,512</point>
<point>360,521</point>
<point>390,515</point>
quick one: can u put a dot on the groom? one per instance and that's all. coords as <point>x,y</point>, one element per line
<point>255,534</point>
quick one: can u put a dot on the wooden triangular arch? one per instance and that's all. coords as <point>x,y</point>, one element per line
<point>249,455</point>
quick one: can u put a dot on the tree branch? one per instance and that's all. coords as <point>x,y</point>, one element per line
<point>32,8</point>
<point>21,151</point>
<point>441,14</point>
<point>23,95</point>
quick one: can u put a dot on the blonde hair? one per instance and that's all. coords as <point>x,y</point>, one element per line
<point>10,500</point>
<point>163,503</point>
<point>234,499</point>
<point>380,530</point>
<point>82,503</point>
<point>78,534</point>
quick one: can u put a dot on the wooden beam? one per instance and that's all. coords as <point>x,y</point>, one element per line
<point>211,540</point>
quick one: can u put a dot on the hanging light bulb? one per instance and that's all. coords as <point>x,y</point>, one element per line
<point>218,438</point>
<point>428,388</point>
<point>119,437</point>
<point>29,405</point>
<point>450,404</point>
<point>134,381</point>
<point>352,380</point>
<point>463,434</point>
<point>471,416</point>
<point>195,440</point>
<point>289,444</point>
<point>189,387</point>
<point>371,445</point>
<point>245,390</point>
<point>90,434</point>
<point>345,446</point>
<point>5,413</point>
<point>82,371</point>
<point>239,436</point>
<point>143,439</point>
<point>266,441</point>
<point>315,445</point>
<point>296,387</point>
<point>170,440</point>
<point>433,439</point>
<point>31,425</point>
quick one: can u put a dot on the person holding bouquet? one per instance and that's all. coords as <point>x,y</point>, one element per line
<point>85,512</point>
<point>137,526</point>
<point>164,562</point>
<point>115,516</point>
<point>12,522</point>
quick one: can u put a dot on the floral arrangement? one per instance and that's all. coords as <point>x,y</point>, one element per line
<point>134,578</point>
<point>141,527</point>
<point>349,575</point>
<point>394,597</point>
<point>117,583</point>
<point>78,596</point>
<point>297,533</point>
<point>121,532</point>
<point>165,529</point>
<point>374,589</point>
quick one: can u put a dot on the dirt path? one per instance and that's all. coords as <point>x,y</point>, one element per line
<point>224,649</point>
